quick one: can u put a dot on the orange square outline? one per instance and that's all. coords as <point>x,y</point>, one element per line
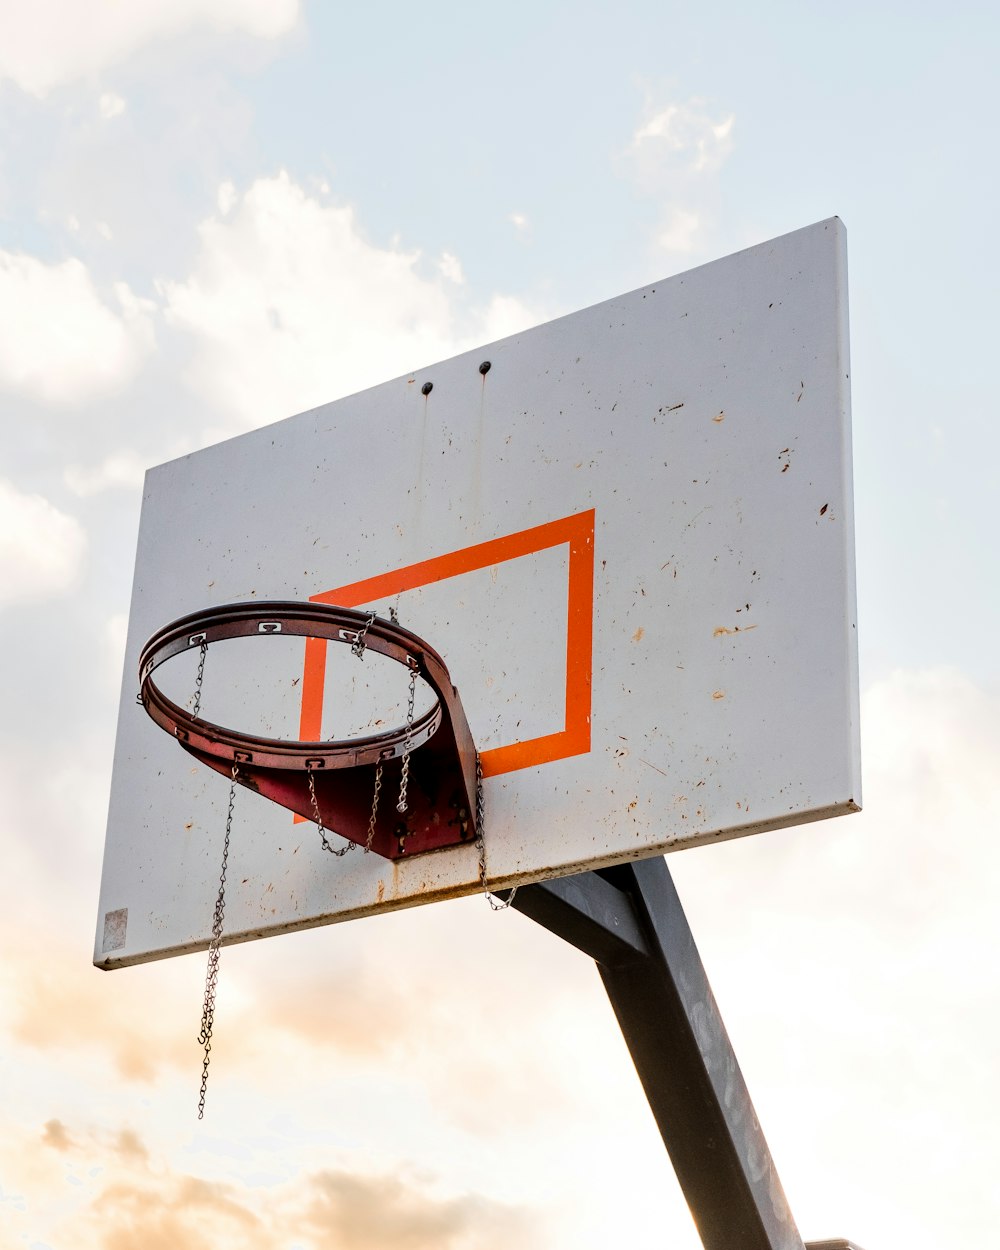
<point>576,530</point>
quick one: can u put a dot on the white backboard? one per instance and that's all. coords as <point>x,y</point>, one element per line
<point>630,539</point>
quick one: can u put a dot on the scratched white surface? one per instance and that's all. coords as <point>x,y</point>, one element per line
<point>705,419</point>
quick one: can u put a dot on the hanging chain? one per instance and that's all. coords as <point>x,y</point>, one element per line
<point>348,846</point>
<point>374,811</point>
<point>196,707</point>
<point>358,645</point>
<point>404,776</point>
<point>358,648</point>
<point>496,903</point>
<point>214,947</point>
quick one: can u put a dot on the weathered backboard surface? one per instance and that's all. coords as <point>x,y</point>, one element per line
<point>631,541</point>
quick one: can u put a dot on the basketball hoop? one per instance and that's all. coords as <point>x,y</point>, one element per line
<point>431,759</point>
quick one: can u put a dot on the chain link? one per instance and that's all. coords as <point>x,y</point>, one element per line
<point>358,648</point>
<point>404,776</point>
<point>348,846</point>
<point>196,706</point>
<point>496,903</point>
<point>214,947</point>
<point>358,645</point>
<point>374,812</point>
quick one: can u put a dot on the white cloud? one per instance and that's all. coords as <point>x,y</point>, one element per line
<point>120,469</point>
<point>52,42</point>
<point>673,156</point>
<point>503,315</point>
<point>291,306</point>
<point>933,738</point>
<point>226,198</point>
<point>686,134</point>
<point>41,548</point>
<point>110,105</point>
<point>61,342</point>
<point>451,268</point>
<point>679,232</point>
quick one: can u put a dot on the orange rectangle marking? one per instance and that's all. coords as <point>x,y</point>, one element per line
<point>578,532</point>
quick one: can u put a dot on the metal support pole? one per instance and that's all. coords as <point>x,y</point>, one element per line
<point>630,920</point>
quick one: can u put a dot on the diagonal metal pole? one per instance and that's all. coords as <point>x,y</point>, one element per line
<point>630,920</point>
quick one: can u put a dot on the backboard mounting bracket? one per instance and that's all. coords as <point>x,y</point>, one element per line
<point>629,919</point>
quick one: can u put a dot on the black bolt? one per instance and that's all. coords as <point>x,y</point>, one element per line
<point>426,388</point>
<point>485,367</point>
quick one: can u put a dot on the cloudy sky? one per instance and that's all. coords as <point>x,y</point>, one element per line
<point>216,213</point>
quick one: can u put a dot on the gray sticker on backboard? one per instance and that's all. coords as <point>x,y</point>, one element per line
<point>115,924</point>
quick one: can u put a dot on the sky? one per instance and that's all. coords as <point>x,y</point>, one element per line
<point>215,214</point>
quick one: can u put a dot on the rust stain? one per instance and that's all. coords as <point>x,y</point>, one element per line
<point>822,510</point>
<point>380,893</point>
<point>718,694</point>
<point>737,629</point>
<point>720,418</point>
<point>652,766</point>
<point>637,636</point>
